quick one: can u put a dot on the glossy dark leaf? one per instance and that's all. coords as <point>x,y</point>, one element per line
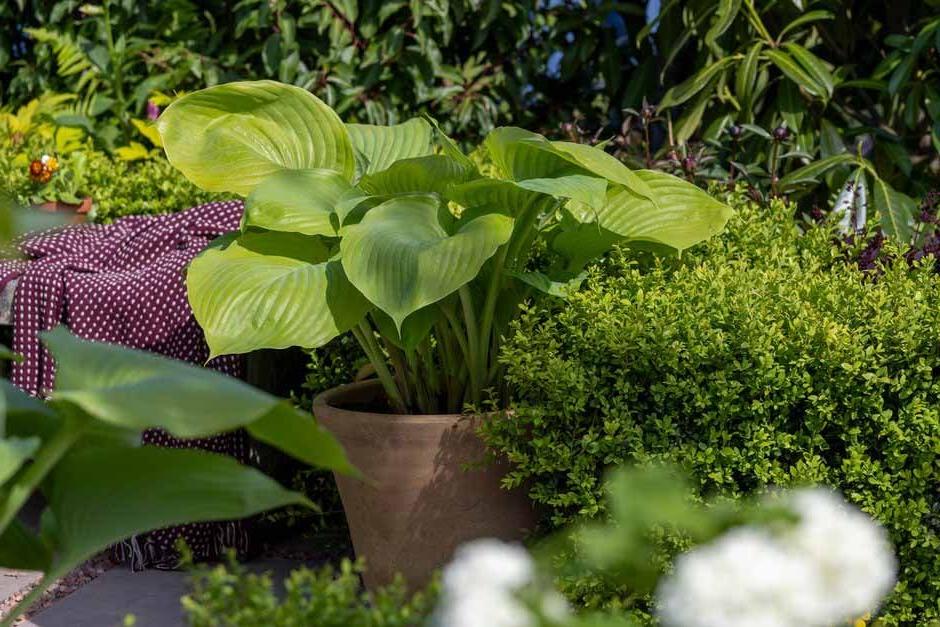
<point>686,90</point>
<point>810,174</point>
<point>795,72</point>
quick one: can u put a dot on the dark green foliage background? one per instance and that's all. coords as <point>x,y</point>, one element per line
<point>534,63</point>
<point>761,359</point>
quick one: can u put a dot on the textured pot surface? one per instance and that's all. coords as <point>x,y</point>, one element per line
<point>420,500</point>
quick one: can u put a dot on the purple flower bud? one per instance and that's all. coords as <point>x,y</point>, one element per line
<point>781,133</point>
<point>153,111</point>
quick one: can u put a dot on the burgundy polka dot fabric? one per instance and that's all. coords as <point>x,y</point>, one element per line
<point>123,283</point>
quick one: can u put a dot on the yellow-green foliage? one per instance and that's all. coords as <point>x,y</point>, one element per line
<point>118,188</point>
<point>762,358</point>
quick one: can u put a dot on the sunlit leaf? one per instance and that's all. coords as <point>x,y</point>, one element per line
<point>381,146</point>
<point>433,173</point>
<point>813,65</point>
<point>684,215</point>
<point>231,137</point>
<point>402,259</point>
<point>271,290</point>
<point>298,201</point>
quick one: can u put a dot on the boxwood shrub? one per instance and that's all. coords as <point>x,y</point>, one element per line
<point>763,358</point>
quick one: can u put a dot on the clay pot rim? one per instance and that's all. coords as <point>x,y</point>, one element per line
<point>328,399</point>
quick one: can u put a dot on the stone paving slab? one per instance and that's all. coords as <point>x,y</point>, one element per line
<point>152,596</point>
<point>12,581</point>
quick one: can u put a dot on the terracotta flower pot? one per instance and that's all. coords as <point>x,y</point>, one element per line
<point>420,500</point>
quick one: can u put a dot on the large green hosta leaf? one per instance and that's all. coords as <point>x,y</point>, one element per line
<point>98,496</point>
<point>22,549</point>
<point>433,173</point>
<point>589,190</point>
<point>415,328</point>
<point>378,147</point>
<point>14,452</point>
<point>231,137</point>
<point>523,155</point>
<point>301,201</point>
<point>401,258</point>
<point>599,163</point>
<point>683,216</point>
<point>271,290</point>
<point>137,390</point>
<point>500,196</point>
<point>581,242</point>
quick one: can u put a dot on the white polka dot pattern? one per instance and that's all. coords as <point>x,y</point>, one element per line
<point>123,283</point>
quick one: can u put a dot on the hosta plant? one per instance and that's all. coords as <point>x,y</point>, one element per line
<point>394,234</point>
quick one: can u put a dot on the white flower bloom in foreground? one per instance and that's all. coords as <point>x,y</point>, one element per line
<point>835,564</point>
<point>480,586</point>
<point>482,608</point>
<point>851,553</point>
<point>489,563</point>
<point>745,578</point>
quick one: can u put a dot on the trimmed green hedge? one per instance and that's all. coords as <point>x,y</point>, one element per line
<point>763,358</point>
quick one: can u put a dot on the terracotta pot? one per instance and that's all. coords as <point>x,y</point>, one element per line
<point>420,501</point>
<point>79,211</point>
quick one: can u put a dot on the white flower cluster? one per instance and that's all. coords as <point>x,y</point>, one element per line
<point>481,588</point>
<point>834,565</point>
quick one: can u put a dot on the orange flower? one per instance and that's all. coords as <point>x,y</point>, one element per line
<point>36,169</point>
<point>41,170</point>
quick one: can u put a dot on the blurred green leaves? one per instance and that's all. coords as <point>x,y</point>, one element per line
<point>82,450</point>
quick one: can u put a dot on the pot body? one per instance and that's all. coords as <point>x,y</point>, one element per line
<point>419,501</point>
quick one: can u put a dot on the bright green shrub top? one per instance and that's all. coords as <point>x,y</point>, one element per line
<point>142,187</point>
<point>324,597</point>
<point>118,188</point>
<point>762,358</point>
